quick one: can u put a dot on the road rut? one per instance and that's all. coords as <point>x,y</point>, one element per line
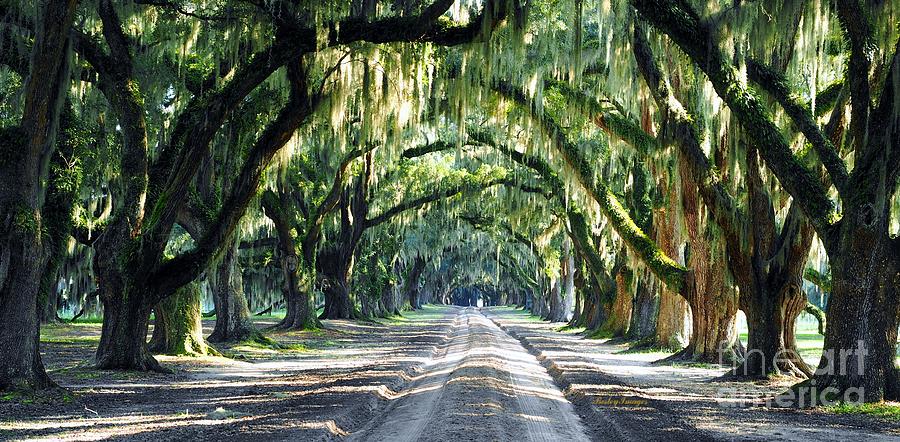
<point>481,385</point>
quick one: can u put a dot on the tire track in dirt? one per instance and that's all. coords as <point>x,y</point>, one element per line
<point>404,419</point>
<point>485,387</point>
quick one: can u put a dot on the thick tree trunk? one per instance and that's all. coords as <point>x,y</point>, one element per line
<point>411,284</point>
<point>334,266</point>
<point>123,340</point>
<point>539,305</point>
<point>713,305</point>
<point>554,301</point>
<point>233,322</point>
<point>178,326</point>
<point>596,313</point>
<point>576,313</point>
<point>673,328</point>
<point>335,262</point>
<point>389,301</point>
<point>771,345</point>
<point>645,309</point>
<point>25,152</point>
<point>20,366</point>
<point>616,324</point>
<point>863,314</point>
<point>713,328</point>
<point>297,290</point>
<point>297,274</point>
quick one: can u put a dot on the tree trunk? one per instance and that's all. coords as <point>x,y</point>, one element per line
<point>645,309</point>
<point>411,285</point>
<point>20,366</point>
<point>334,266</point>
<point>596,313</point>
<point>24,155</point>
<point>616,324</point>
<point>389,301</point>
<point>178,327</point>
<point>298,274</point>
<point>335,262</point>
<point>555,300</point>
<point>863,313</point>
<point>576,313</point>
<point>713,305</point>
<point>567,298</point>
<point>713,329</point>
<point>123,340</point>
<point>771,345</point>
<point>673,329</point>
<point>233,322</point>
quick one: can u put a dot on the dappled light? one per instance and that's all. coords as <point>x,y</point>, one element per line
<point>450,220</point>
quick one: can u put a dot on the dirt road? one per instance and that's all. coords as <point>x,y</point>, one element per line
<point>481,385</point>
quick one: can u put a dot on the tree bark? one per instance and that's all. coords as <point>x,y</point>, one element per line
<point>178,327</point>
<point>233,321</point>
<point>126,318</point>
<point>616,325</point>
<point>673,327</point>
<point>672,324</point>
<point>567,299</point>
<point>335,261</point>
<point>644,309</point>
<point>411,284</point>
<point>863,313</point>
<point>554,300</point>
<point>771,285</point>
<point>298,275</point>
<point>713,305</point>
<point>25,152</point>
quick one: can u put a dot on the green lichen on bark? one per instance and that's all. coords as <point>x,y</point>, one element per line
<point>178,329</point>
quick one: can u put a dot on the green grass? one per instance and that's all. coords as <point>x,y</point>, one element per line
<point>518,313</point>
<point>63,334</point>
<point>705,365</point>
<point>642,349</point>
<point>87,320</point>
<point>885,411</point>
<point>419,317</point>
<point>599,334</point>
<point>277,315</point>
<point>570,329</point>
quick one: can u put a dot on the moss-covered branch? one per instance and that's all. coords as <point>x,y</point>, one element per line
<point>666,269</point>
<point>313,231</point>
<point>686,137</point>
<point>610,121</point>
<point>776,85</point>
<point>854,18</point>
<point>184,268</point>
<point>682,24</point>
<point>817,313</point>
<point>436,196</point>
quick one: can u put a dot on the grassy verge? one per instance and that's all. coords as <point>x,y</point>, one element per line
<point>889,411</point>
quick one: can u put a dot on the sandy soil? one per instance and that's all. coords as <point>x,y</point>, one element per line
<point>624,396</point>
<point>333,383</point>
<point>482,386</point>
